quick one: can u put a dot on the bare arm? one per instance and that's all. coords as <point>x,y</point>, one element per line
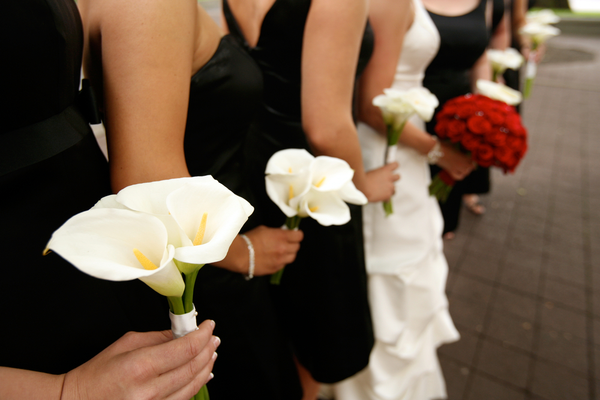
<point>332,37</point>
<point>147,365</point>
<point>501,36</point>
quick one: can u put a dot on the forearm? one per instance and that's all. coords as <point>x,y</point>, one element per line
<point>20,384</point>
<point>481,70</point>
<point>416,139</point>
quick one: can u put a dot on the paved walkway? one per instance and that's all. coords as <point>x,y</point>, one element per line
<point>524,282</point>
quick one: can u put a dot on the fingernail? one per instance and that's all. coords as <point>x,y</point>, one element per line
<point>212,324</point>
<point>214,356</point>
<point>210,377</point>
<point>216,341</point>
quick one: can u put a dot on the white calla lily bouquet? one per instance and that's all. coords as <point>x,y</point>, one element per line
<point>397,106</point>
<point>302,185</point>
<point>538,30</point>
<point>159,232</point>
<point>501,60</point>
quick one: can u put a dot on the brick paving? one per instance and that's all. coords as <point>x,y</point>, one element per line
<point>524,281</point>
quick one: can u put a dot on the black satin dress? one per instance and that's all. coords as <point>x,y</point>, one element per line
<point>255,362</point>
<point>464,38</point>
<point>322,297</point>
<point>54,317</point>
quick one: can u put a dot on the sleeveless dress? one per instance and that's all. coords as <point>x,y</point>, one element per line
<point>322,299</point>
<point>254,359</point>
<point>464,38</point>
<point>54,317</point>
<point>406,266</point>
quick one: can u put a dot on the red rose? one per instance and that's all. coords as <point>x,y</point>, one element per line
<point>441,128</point>
<point>448,111</point>
<point>470,142</point>
<point>456,128</point>
<point>466,110</point>
<point>513,122</point>
<point>484,156</point>
<point>479,125</point>
<point>511,163</point>
<point>516,143</point>
<point>495,117</point>
<point>503,155</point>
<point>496,137</point>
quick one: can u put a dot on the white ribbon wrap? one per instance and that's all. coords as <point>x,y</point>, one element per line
<point>531,69</point>
<point>183,324</point>
<point>390,154</point>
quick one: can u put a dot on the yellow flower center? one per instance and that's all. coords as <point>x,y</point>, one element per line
<point>313,209</point>
<point>320,182</point>
<point>201,229</point>
<point>147,264</point>
<point>290,170</point>
<point>291,194</point>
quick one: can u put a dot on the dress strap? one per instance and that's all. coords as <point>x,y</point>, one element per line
<point>234,27</point>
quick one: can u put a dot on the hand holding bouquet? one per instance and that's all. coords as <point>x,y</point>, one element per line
<point>490,130</point>
<point>397,107</point>
<point>306,186</point>
<point>159,232</point>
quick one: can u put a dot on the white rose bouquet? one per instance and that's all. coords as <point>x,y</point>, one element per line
<point>159,232</point>
<point>306,186</point>
<point>397,107</point>
<point>538,30</point>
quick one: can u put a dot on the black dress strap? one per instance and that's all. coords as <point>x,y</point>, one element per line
<point>234,27</point>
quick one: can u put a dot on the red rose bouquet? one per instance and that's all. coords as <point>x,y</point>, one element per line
<point>490,130</point>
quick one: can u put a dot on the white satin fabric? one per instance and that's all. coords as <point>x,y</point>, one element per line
<point>406,266</point>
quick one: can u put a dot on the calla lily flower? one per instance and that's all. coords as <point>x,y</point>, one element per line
<point>209,226</point>
<point>201,230</point>
<point>327,208</point>
<point>502,60</point>
<point>539,33</point>
<point>119,245</point>
<point>329,173</point>
<point>544,17</point>
<point>498,91</point>
<point>288,176</point>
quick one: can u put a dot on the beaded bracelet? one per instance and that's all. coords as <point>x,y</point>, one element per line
<point>251,255</point>
<point>435,153</point>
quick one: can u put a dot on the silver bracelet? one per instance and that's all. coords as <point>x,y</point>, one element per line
<point>251,255</point>
<point>435,153</point>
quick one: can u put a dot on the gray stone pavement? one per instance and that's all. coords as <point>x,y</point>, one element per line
<point>524,281</point>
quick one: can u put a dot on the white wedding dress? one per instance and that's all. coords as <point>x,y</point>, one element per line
<point>406,266</point>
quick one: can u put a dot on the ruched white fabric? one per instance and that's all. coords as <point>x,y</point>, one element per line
<point>406,266</point>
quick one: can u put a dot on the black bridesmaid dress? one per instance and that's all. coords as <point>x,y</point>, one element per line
<point>54,317</point>
<point>322,299</point>
<point>255,362</point>
<point>464,38</point>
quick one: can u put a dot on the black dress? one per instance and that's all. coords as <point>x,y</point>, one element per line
<point>464,38</point>
<point>254,359</point>
<point>54,317</point>
<point>322,298</point>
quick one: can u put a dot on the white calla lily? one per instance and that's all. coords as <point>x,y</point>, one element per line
<point>350,194</point>
<point>502,60</point>
<point>151,198</point>
<point>498,91</point>
<point>538,33</point>
<point>210,225</point>
<point>329,174</point>
<point>119,245</point>
<point>327,208</point>
<point>288,176</point>
<point>545,17</point>
<point>422,101</point>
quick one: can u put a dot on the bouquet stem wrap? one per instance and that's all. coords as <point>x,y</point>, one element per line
<point>530,73</point>
<point>393,135</point>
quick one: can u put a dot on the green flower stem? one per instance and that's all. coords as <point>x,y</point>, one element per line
<point>176,305</point>
<point>292,223</point>
<point>494,75</point>
<point>528,87</point>
<point>393,135</point>
<point>202,394</point>
<point>388,208</point>
<point>188,294</point>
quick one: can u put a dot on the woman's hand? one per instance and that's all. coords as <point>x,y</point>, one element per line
<point>457,164</point>
<point>274,248</point>
<point>147,365</point>
<point>379,183</point>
